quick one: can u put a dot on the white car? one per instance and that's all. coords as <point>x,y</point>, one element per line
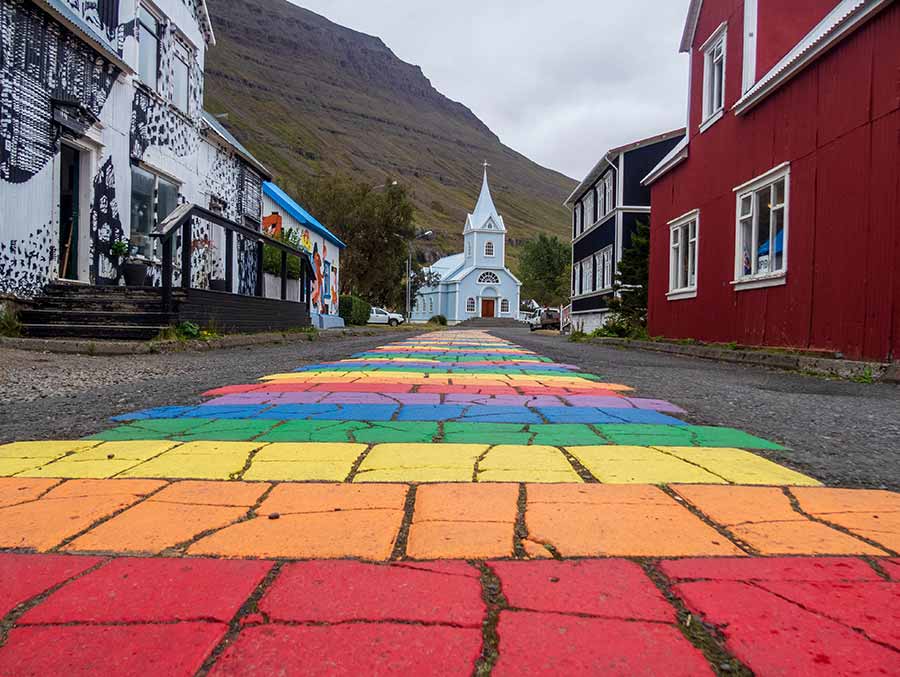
<point>381,316</point>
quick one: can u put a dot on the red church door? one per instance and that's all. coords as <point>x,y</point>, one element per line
<point>488,306</point>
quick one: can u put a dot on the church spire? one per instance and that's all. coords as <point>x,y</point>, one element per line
<point>485,208</point>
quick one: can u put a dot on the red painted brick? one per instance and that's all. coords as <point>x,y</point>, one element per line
<point>143,590</point>
<point>611,588</point>
<point>367,386</point>
<point>234,390</point>
<point>449,567</point>
<point>335,591</point>
<point>126,650</point>
<point>550,644</point>
<point>774,636</point>
<point>892,567</point>
<point>873,608</point>
<point>776,569</point>
<point>25,576</point>
<point>357,649</point>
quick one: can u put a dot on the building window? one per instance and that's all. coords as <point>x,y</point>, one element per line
<point>488,248</point>
<point>468,250</point>
<point>430,305</point>
<point>714,74</point>
<point>605,271</point>
<point>148,60</point>
<point>504,305</point>
<point>589,208</point>
<point>574,278</point>
<point>489,278</point>
<point>610,200</point>
<point>762,226</point>
<point>683,238</point>
<point>470,305</point>
<point>152,200</point>
<point>181,79</point>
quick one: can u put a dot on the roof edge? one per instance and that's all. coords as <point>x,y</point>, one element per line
<point>675,157</point>
<point>277,195</point>
<point>592,175</point>
<point>690,26</point>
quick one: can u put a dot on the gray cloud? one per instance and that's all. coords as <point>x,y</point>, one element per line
<point>561,82</point>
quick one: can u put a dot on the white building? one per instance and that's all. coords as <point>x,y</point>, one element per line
<point>475,283</point>
<point>103,134</point>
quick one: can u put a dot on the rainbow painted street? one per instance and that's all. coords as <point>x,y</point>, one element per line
<point>440,505</point>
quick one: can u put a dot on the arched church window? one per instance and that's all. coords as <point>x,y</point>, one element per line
<point>489,278</point>
<point>488,248</point>
<point>470,305</point>
<point>504,306</point>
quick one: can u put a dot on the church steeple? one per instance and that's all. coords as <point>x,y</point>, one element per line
<point>485,216</point>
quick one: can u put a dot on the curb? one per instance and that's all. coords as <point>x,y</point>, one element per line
<point>111,348</point>
<point>820,366</point>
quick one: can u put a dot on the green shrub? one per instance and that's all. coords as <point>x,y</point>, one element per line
<point>9,322</point>
<point>272,256</point>
<point>187,331</point>
<point>438,319</point>
<point>354,310</point>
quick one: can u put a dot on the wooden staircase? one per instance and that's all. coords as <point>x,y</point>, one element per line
<point>81,311</point>
<point>484,322</point>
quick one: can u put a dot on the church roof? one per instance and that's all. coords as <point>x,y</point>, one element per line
<point>484,209</point>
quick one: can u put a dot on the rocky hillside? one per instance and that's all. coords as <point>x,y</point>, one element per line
<point>309,96</point>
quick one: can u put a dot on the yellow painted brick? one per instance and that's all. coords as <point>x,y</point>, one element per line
<point>221,466</point>
<point>519,463</point>
<point>12,466</point>
<point>639,465</point>
<point>309,452</point>
<point>299,471</point>
<point>70,469</point>
<point>204,448</point>
<point>48,449</point>
<point>424,474</point>
<point>132,450</point>
<point>742,467</point>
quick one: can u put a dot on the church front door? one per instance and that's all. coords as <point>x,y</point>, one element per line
<point>488,307</point>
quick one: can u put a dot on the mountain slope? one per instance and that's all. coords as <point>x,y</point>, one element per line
<point>308,96</point>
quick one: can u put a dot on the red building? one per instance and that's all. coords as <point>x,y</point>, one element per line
<point>777,220</point>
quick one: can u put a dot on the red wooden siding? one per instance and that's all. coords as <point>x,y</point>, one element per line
<point>838,124</point>
<point>785,22</point>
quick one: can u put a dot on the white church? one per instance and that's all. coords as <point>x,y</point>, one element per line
<point>477,282</point>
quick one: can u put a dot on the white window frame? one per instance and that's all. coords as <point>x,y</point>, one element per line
<point>610,200</point>
<point>156,34</point>
<point>714,107</point>
<point>751,190</point>
<point>504,306</point>
<point>589,207</point>
<point>681,245</point>
<point>470,305</point>
<point>495,279</point>
<point>489,250</point>
<point>606,267</point>
<point>184,55</point>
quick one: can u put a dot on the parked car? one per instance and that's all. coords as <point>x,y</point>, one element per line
<point>546,318</point>
<point>381,316</point>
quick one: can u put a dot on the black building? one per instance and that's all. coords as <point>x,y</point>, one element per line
<point>606,207</point>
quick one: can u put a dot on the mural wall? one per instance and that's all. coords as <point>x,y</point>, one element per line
<point>54,86</point>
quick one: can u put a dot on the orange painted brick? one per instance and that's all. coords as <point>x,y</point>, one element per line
<point>316,521</point>
<point>243,494</point>
<point>466,503</point>
<point>66,510</point>
<point>15,490</point>
<point>460,540</point>
<point>615,520</point>
<point>765,519</point>
<point>463,521</point>
<point>154,526</point>
<point>873,514</point>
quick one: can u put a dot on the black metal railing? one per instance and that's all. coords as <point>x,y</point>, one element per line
<point>183,220</point>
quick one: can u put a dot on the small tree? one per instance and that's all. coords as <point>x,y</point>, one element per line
<point>629,306</point>
<point>544,266</point>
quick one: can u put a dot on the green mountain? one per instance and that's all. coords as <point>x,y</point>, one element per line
<point>308,96</point>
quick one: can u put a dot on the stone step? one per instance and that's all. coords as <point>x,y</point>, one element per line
<point>97,331</point>
<point>82,316</point>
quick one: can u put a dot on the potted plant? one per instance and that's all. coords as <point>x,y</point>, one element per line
<point>135,269</point>
<point>117,251</point>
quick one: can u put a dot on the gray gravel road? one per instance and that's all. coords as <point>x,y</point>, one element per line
<point>843,433</point>
<point>47,396</point>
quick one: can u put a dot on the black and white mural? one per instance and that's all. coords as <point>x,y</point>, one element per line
<point>42,65</point>
<point>26,264</point>
<point>106,226</point>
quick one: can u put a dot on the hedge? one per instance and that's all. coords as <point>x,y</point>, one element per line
<point>355,310</point>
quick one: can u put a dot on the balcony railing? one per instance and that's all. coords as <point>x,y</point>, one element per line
<point>185,223</point>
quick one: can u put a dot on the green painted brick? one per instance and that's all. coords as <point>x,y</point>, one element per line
<point>397,431</point>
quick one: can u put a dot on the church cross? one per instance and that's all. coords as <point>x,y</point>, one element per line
<point>486,164</point>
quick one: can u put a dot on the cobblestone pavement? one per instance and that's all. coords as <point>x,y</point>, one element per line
<point>445,504</point>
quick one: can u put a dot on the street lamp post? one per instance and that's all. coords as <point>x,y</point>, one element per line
<point>409,244</point>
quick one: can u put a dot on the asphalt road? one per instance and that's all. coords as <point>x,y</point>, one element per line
<point>843,433</point>
<point>46,396</point>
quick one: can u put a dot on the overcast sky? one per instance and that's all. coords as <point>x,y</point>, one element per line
<point>561,81</point>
